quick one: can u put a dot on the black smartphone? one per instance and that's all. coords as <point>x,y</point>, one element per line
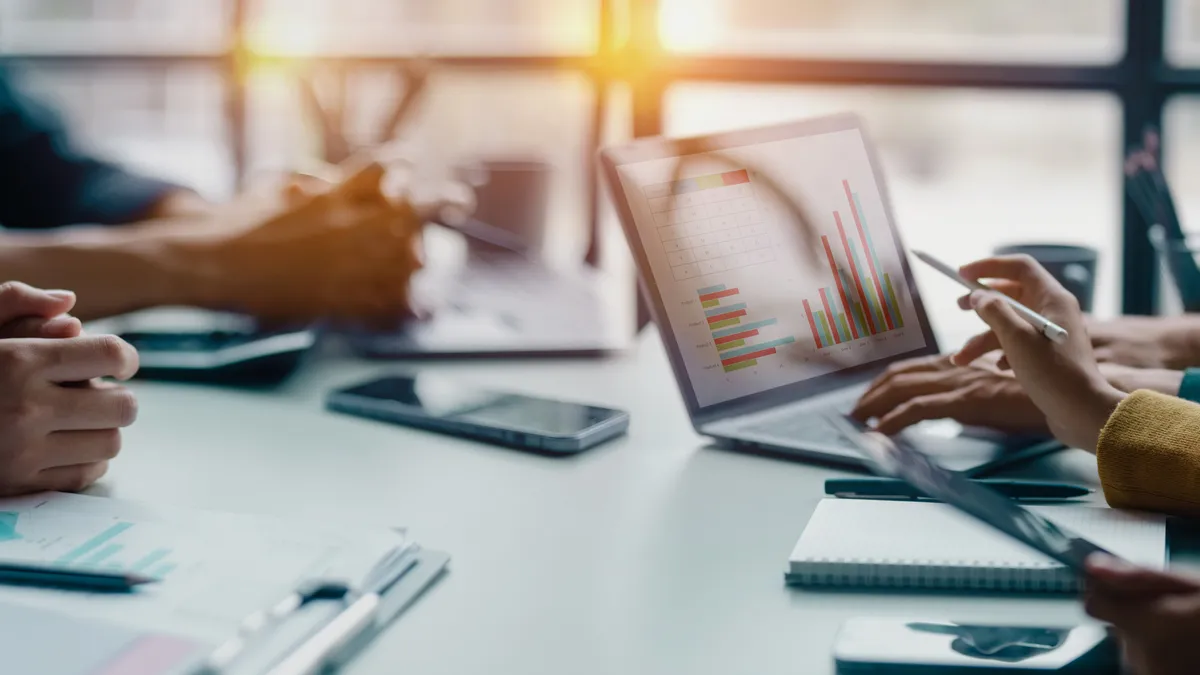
<point>439,404</point>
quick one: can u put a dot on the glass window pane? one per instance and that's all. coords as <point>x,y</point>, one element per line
<point>118,26</point>
<point>1008,30</point>
<point>1181,132</point>
<point>967,170</point>
<point>464,116</point>
<point>1183,31</point>
<point>424,26</point>
<point>166,121</point>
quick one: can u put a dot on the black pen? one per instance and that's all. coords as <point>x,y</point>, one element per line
<point>69,578</point>
<point>889,488</point>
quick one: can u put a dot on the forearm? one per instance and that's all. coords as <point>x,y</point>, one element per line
<point>118,269</point>
<point>1147,455</point>
<point>1180,338</point>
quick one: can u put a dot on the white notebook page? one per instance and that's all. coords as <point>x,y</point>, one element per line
<point>930,532</point>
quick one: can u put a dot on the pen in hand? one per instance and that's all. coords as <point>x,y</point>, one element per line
<point>1053,332</point>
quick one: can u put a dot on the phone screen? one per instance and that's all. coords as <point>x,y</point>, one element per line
<point>445,399</point>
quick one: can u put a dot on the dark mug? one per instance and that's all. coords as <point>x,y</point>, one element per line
<point>1073,266</point>
<point>512,195</point>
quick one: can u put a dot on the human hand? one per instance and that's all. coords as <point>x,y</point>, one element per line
<point>28,312</point>
<point>932,387</point>
<point>1063,380</point>
<point>59,426</point>
<point>1156,614</point>
<point>1144,341</point>
<point>345,253</point>
<point>1129,379</point>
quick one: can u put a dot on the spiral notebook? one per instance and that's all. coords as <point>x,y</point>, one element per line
<point>858,543</point>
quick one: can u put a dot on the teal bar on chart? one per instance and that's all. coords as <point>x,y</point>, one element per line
<point>744,327</point>
<point>757,348</point>
<point>727,308</point>
<point>854,316</point>
<point>149,560</point>
<point>93,543</point>
<point>869,290</point>
<point>102,555</point>
<point>891,310</point>
<point>710,289</point>
<point>831,299</point>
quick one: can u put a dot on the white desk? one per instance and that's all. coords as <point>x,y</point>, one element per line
<point>653,554</point>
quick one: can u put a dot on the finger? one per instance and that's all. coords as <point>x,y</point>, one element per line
<point>69,448</point>
<point>1123,578</point>
<point>96,406</point>
<point>363,184</point>
<point>18,300</point>
<point>879,401</point>
<point>1003,364</point>
<point>922,364</point>
<point>931,407</point>
<point>71,478</point>
<point>89,357</point>
<point>1104,355</point>
<point>1000,316</point>
<point>975,348</point>
<point>59,327</point>
<point>1010,288</point>
<point>1019,268</point>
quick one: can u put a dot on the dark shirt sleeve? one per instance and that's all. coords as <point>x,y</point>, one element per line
<point>45,183</point>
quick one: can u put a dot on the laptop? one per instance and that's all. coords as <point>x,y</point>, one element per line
<point>769,348</point>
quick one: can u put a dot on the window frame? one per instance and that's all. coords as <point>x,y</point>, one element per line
<point>1142,81</point>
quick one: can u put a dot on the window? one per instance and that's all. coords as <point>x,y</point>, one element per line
<point>1020,108</point>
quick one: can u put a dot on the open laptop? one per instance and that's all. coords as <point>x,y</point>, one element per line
<point>767,347</point>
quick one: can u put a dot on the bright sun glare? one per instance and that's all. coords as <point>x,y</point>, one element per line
<point>689,25</point>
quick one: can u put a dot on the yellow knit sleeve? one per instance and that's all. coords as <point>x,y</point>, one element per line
<point>1149,454</point>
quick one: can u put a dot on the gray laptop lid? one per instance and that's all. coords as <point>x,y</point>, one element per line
<point>754,309</point>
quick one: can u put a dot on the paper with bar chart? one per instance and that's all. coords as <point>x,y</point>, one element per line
<point>214,568</point>
<point>748,308</point>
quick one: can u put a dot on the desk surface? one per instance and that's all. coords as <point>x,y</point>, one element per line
<point>653,554</point>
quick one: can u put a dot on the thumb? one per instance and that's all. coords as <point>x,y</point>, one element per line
<point>18,300</point>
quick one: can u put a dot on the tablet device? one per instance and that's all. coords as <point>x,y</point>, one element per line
<point>895,457</point>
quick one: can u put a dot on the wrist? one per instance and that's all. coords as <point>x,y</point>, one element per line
<point>1103,401</point>
<point>1181,342</point>
<point>1129,379</point>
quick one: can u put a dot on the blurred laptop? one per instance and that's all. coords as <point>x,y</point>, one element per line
<point>769,348</point>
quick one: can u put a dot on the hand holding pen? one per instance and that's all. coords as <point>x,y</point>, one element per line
<point>1061,378</point>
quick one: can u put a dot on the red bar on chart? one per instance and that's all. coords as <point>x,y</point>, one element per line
<point>748,357</point>
<point>862,296</point>
<point>726,315</point>
<point>736,177</point>
<point>719,294</point>
<point>838,278</point>
<point>837,339</point>
<point>887,317</point>
<point>812,325</point>
<point>736,336</point>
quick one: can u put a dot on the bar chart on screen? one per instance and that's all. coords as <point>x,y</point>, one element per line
<point>738,339</point>
<point>859,304</point>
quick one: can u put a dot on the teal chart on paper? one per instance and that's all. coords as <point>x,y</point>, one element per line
<point>99,543</point>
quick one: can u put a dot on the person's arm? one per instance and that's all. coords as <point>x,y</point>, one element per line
<point>1148,455</point>
<point>1148,342</point>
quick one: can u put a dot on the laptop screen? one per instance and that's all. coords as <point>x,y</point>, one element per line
<point>749,306</point>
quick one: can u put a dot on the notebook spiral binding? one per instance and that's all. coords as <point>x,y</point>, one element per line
<point>927,575</point>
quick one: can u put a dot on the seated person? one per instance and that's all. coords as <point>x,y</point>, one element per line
<point>345,252</point>
<point>59,423</point>
<point>1145,445</point>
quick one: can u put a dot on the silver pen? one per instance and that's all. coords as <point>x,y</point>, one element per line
<point>1053,332</point>
<point>352,622</point>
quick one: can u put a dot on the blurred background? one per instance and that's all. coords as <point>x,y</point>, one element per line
<point>997,121</point>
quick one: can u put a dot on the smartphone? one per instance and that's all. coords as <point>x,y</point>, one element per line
<point>442,405</point>
<point>896,646</point>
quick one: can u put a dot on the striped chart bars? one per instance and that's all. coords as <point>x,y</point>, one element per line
<point>731,334</point>
<point>859,305</point>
